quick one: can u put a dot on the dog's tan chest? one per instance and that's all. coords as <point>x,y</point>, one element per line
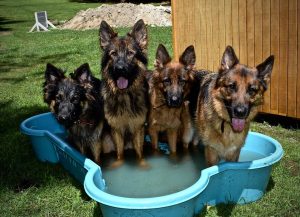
<point>165,118</point>
<point>227,141</point>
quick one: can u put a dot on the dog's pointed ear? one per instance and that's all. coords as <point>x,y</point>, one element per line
<point>265,70</point>
<point>139,34</point>
<point>83,73</point>
<point>229,59</point>
<point>106,33</point>
<point>162,57</point>
<point>188,57</point>
<point>53,74</point>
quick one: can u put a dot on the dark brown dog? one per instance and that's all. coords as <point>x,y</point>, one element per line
<point>169,86</point>
<point>77,105</point>
<point>227,102</point>
<point>124,85</point>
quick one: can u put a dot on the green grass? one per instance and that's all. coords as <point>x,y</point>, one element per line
<point>31,188</point>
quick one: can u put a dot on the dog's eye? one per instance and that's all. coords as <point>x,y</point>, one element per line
<point>59,97</point>
<point>113,53</point>
<point>167,81</point>
<point>252,90</point>
<point>131,53</point>
<point>182,82</point>
<point>231,87</point>
<point>75,99</point>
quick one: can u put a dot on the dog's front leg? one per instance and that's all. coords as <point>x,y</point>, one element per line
<point>211,156</point>
<point>154,137</point>
<point>119,141</point>
<point>172,139</point>
<point>138,141</point>
<point>234,156</point>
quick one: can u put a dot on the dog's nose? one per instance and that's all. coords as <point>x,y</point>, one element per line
<point>62,117</point>
<point>174,101</point>
<point>119,66</point>
<point>240,111</point>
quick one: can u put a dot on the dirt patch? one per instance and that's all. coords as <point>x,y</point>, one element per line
<point>120,15</point>
<point>293,167</point>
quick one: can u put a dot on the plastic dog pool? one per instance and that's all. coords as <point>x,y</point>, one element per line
<point>240,182</point>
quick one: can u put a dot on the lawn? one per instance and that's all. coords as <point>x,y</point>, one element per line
<point>31,188</point>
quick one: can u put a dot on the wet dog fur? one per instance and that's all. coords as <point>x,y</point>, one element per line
<point>76,103</point>
<point>168,87</point>
<point>227,102</point>
<point>124,89</point>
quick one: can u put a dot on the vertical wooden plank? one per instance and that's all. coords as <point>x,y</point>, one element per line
<point>202,41</point>
<point>235,26</point>
<point>228,23</point>
<point>222,41</point>
<point>192,22</point>
<point>184,18</point>
<point>275,52</point>
<point>215,32</point>
<point>266,46</point>
<point>283,56</point>
<point>250,32</point>
<point>198,32</point>
<point>175,28</point>
<point>258,33</point>
<point>292,60</point>
<point>209,34</point>
<point>243,31</point>
<point>298,71</point>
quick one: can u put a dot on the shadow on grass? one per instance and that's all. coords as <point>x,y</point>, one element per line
<point>275,120</point>
<point>223,210</point>
<point>19,168</point>
<point>4,22</point>
<point>270,185</point>
<point>9,63</point>
<point>97,211</point>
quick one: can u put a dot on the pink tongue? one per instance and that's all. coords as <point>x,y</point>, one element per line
<point>238,124</point>
<point>122,83</point>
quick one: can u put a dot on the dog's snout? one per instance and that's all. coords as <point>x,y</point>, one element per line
<point>240,111</point>
<point>174,98</point>
<point>119,66</point>
<point>62,117</point>
<point>174,101</point>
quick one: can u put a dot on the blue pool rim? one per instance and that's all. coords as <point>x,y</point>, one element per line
<point>179,197</point>
<point>154,202</point>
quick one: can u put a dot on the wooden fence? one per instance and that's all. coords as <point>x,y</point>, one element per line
<point>255,29</point>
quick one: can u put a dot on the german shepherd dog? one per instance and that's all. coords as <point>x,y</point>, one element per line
<point>227,102</point>
<point>124,85</point>
<point>169,85</point>
<point>77,105</point>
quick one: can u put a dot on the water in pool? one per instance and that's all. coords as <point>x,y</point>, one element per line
<point>164,176</point>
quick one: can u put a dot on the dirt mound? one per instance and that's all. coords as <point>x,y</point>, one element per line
<point>120,15</point>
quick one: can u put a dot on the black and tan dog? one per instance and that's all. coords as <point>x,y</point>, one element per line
<point>227,102</point>
<point>124,85</point>
<point>169,85</point>
<point>76,103</point>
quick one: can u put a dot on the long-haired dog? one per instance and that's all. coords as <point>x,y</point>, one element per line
<point>77,105</point>
<point>227,102</point>
<point>124,89</point>
<point>169,86</point>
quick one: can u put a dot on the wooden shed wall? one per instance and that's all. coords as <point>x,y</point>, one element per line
<point>255,29</point>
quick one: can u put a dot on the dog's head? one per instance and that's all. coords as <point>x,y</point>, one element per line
<point>123,57</point>
<point>66,96</point>
<point>172,78</point>
<point>241,88</point>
